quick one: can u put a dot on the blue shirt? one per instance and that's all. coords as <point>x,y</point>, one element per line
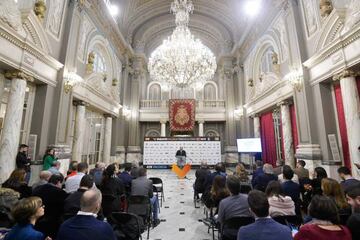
<point>24,232</point>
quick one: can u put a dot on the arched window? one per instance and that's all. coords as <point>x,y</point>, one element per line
<point>99,63</point>
<point>209,92</point>
<point>155,92</point>
<point>266,65</point>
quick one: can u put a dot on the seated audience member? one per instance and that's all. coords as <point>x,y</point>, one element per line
<point>218,191</point>
<point>53,198</point>
<point>259,170</point>
<point>300,170</point>
<point>241,173</point>
<point>325,222</point>
<point>72,183</point>
<point>17,182</point>
<point>44,178</point>
<point>347,179</point>
<point>72,202</point>
<point>55,168</point>
<point>111,185</point>
<point>8,198</point>
<point>134,171</point>
<point>281,178</point>
<point>210,178</point>
<point>280,205</point>
<point>25,213</point>
<point>332,189</point>
<point>235,205</point>
<point>85,225</point>
<point>289,187</point>
<point>262,180</point>
<point>141,186</point>
<point>49,158</point>
<point>201,175</point>
<point>97,172</point>
<point>353,198</point>
<point>319,174</point>
<point>264,228</point>
<point>279,166</point>
<point>72,169</point>
<point>126,177</point>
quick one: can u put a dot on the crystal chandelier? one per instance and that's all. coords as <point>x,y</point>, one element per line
<point>182,61</point>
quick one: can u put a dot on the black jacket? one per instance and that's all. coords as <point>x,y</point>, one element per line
<point>22,161</point>
<point>180,153</point>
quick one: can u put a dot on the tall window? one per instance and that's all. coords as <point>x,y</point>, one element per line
<point>266,65</point>
<point>99,63</point>
<point>155,92</point>
<point>209,92</point>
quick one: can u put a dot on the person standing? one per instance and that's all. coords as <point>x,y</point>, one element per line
<point>49,158</point>
<point>181,157</point>
<point>23,161</point>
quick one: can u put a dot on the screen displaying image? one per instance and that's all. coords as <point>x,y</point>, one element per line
<point>251,145</point>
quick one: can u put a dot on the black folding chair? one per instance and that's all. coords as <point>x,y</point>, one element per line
<point>127,226</point>
<point>141,206</point>
<point>231,227</point>
<point>158,183</point>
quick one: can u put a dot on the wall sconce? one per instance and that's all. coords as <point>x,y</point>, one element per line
<point>295,78</point>
<point>239,112</point>
<point>70,80</point>
<point>126,112</point>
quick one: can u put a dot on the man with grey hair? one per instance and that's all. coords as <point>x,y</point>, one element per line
<point>85,225</point>
<point>262,180</point>
<point>55,168</point>
<point>44,178</point>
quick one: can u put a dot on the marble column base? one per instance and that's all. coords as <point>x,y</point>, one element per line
<point>231,155</point>
<point>134,154</point>
<point>308,152</point>
<point>120,154</point>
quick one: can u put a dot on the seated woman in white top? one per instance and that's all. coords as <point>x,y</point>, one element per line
<point>280,205</point>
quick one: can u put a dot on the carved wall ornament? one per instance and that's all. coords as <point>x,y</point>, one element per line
<point>40,9</point>
<point>90,62</point>
<point>56,12</point>
<point>326,8</point>
<point>115,82</point>
<point>11,74</point>
<point>10,14</point>
<point>251,82</point>
<point>274,58</point>
<point>310,17</point>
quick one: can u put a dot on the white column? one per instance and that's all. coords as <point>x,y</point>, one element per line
<point>256,126</point>
<point>201,128</point>
<point>163,128</point>
<point>80,122</point>
<point>351,104</point>
<point>287,134</point>
<point>107,139</point>
<point>10,136</point>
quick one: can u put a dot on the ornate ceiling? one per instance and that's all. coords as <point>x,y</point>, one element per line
<point>218,23</point>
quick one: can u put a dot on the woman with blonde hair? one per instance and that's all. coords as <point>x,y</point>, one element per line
<point>25,213</point>
<point>332,189</point>
<point>241,173</point>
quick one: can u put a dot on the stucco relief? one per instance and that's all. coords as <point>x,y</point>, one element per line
<point>85,29</point>
<point>280,27</point>
<point>55,17</point>
<point>310,17</point>
<point>10,14</point>
<point>352,15</point>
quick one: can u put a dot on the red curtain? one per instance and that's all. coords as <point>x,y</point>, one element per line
<point>294,127</point>
<point>268,138</point>
<point>342,125</point>
<point>358,84</point>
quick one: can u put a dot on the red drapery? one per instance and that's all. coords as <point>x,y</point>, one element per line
<point>268,138</point>
<point>358,84</point>
<point>342,125</point>
<point>294,127</point>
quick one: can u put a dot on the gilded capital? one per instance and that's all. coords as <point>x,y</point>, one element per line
<point>11,74</point>
<point>285,102</point>
<point>79,103</point>
<point>163,121</point>
<point>345,74</point>
<point>106,115</point>
<point>40,9</point>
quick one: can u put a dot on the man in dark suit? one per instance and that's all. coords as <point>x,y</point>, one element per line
<point>235,205</point>
<point>353,198</point>
<point>264,228</point>
<point>23,161</point>
<point>262,180</point>
<point>126,177</point>
<point>142,186</point>
<point>53,198</point>
<point>289,187</point>
<point>85,225</point>
<point>181,156</point>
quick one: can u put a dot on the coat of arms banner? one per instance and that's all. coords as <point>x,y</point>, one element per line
<point>182,115</point>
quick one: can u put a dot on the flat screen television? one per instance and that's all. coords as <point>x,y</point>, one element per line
<point>249,145</point>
